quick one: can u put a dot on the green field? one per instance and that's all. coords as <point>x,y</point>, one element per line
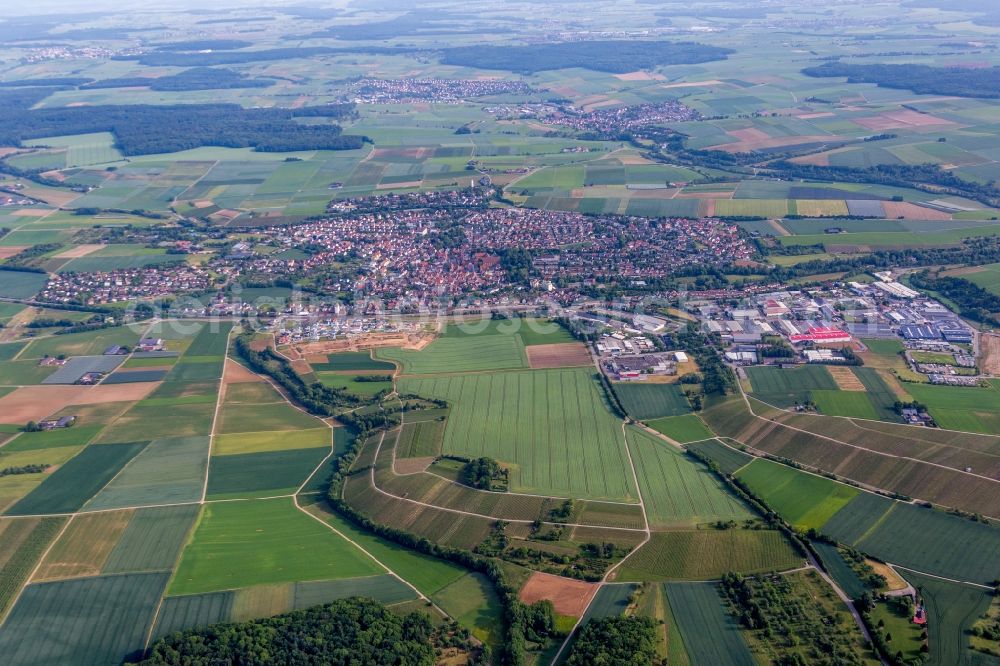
<point>159,421</point>
<point>882,398</point>
<point>337,380</point>
<point>88,343</point>
<point>152,540</point>
<point>711,635</point>
<point>24,543</point>
<point>964,408</point>
<point>644,401</point>
<point>421,439</point>
<point>259,442</point>
<point>273,543</point>
<point>23,373</point>
<point>353,361</point>
<point>951,612</point>
<point>211,340</point>
<point>804,500</point>
<point>166,471</point>
<point>887,348</point>
<point>552,426</point>
<point>857,518</point>
<point>427,574</point>
<point>263,417</point>
<point>196,369</point>
<point>986,276</point>
<point>70,486</point>
<point>905,634</point>
<point>683,429</point>
<point>16,284</point>
<point>98,620</point>
<point>838,568</point>
<point>709,553</point>
<point>461,354</point>
<point>785,387</point>
<point>727,458</point>
<point>9,350</point>
<point>844,403</point>
<point>924,539</point>
<point>263,474</point>
<point>192,611</point>
<point>676,490</point>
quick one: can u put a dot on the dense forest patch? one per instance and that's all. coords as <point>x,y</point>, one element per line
<point>196,78</point>
<point>922,79</point>
<point>141,129</point>
<point>615,56</point>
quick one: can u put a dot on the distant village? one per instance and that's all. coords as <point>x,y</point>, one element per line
<point>439,91</point>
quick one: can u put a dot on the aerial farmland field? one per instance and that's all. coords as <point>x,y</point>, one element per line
<point>685,428</point>
<point>783,387</point>
<point>652,401</point>
<point>706,554</point>
<point>804,500</point>
<point>728,459</point>
<point>677,491</point>
<point>278,544</point>
<point>461,354</point>
<point>710,634</point>
<point>551,424</point>
<point>969,410</point>
<point>467,201</point>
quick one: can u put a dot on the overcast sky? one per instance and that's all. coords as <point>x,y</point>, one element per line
<point>14,8</point>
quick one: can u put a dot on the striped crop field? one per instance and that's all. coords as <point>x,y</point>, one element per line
<point>676,490</point>
<point>551,426</point>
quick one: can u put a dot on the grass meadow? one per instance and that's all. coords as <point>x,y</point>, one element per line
<point>273,543</point>
<point>804,500</point>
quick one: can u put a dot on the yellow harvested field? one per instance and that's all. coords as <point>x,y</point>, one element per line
<point>893,580</point>
<point>85,546</point>
<point>821,207</point>
<point>78,251</point>
<point>257,442</point>
<point>845,378</point>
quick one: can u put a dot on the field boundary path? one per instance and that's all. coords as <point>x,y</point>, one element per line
<point>295,495</point>
<point>461,512</point>
<point>219,398</point>
<point>608,574</point>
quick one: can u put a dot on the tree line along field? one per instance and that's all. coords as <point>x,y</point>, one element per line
<point>455,590</point>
